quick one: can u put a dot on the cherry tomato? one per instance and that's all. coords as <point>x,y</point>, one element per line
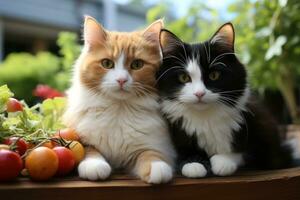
<point>78,151</point>
<point>41,163</point>
<point>13,105</point>
<point>67,134</point>
<point>48,144</point>
<point>66,160</point>
<point>21,144</point>
<point>30,145</point>
<point>10,165</point>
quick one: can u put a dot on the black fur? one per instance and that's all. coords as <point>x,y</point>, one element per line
<point>258,138</point>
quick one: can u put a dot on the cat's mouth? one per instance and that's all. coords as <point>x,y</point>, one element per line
<point>123,91</point>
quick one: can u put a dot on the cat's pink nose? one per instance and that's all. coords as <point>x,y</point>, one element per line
<point>122,81</point>
<point>199,94</point>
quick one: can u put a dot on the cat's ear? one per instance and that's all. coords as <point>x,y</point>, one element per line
<point>225,34</point>
<point>151,33</point>
<point>169,41</point>
<point>93,32</point>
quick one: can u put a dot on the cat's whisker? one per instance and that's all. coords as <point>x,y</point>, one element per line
<point>206,52</point>
<point>165,72</point>
<point>139,89</point>
<point>226,103</point>
<point>175,57</point>
<point>221,56</point>
<point>218,63</point>
<point>209,52</point>
<point>230,91</point>
<point>227,98</point>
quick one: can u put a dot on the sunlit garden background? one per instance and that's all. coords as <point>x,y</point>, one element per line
<point>40,40</point>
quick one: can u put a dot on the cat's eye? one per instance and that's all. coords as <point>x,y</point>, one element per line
<point>107,63</point>
<point>137,64</point>
<point>184,78</point>
<point>214,75</point>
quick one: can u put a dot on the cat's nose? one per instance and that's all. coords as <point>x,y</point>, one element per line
<point>122,81</point>
<point>199,94</point>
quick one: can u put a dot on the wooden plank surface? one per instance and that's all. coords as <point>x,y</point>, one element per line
<point>273,185</point>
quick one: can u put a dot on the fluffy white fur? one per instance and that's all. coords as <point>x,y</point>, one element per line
<point>193,170</point>
<point>119,129</point>
<point>212,122</point>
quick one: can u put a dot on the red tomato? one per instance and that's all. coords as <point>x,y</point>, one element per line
<point>10,165</point>
<point>67,134</point>
<point>66,160</point>
<point>41,163</point>
<point>21,144</point>
<point>13,105</point>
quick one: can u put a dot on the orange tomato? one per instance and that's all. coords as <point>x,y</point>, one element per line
<point>67,134</point>
<point>48,144</point>
<point>41,163</point>
<point>78,151</point>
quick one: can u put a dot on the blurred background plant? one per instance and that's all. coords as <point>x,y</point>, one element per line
<point>267,41</point>
<point>24,72</point>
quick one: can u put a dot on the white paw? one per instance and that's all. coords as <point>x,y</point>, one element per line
<point>94,169</point>
<point>161,172</point>
<point>222,165</point>
<point>193,170</point>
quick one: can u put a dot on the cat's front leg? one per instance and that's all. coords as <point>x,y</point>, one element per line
<point>93,166</point>
<point>226,164</point>
<point>152,167</point>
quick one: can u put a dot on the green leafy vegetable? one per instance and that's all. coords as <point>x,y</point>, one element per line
<point>5,94</point>
<point>34,124</point>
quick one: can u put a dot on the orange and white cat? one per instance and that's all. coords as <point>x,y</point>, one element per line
<point>112,104</point>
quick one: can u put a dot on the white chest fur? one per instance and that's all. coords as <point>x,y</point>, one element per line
<point>213,127</point>
<point>118,129</point>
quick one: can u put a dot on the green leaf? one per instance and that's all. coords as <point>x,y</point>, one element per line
<point>276,48</point>
<point>53,105</point>
<point>5,94</point>
<point>52,109</point>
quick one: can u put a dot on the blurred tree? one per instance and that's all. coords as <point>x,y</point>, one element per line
<point>22,72</point>
<point>267,40</point>
<point>269,34</point>
<point>188,27</point>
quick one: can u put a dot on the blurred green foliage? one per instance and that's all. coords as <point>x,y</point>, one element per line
<point>267,40</point>
<point>24,71</point>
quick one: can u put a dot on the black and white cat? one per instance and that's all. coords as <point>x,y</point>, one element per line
<point>206,100</point>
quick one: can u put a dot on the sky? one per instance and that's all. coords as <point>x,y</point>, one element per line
<point>181,6</point>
